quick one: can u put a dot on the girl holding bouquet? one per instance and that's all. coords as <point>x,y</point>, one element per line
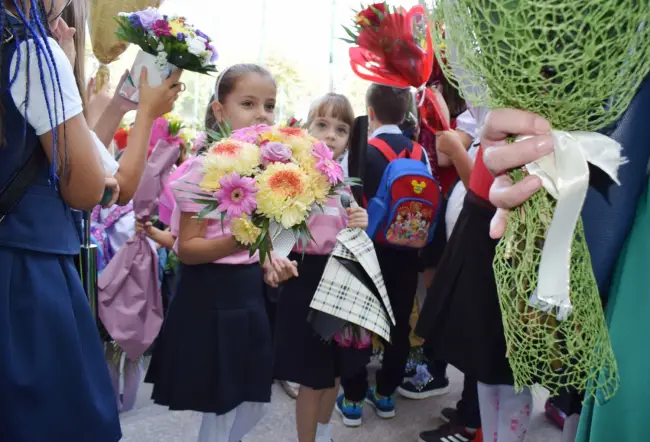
<point>301,355</point>
<point>214,354</point>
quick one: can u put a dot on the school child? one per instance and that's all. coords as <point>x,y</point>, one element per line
<point>461,318</point>
<point>387,108</point>
<point>301,355</point>
<point>214,353</point>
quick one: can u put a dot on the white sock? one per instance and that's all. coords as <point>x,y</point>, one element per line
<point>323,433</point>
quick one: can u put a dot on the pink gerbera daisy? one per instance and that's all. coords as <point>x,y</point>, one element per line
<point>326,164</point>
<point>236,195</point>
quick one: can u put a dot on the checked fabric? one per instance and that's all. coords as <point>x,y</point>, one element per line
<point>342,294</point>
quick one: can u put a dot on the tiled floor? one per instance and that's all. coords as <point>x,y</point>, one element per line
<point>151,423</point>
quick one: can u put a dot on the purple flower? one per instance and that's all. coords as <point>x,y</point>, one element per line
<point>214,56</point>
<point>135,21</point>
<point>148,17</point>
<point>161,27</point>
<point>202,35</point>
<point>181,36</point>
<point>275,152</point>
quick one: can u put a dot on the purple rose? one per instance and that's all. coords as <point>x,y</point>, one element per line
<point>274,152</point>
<point>148,17</point>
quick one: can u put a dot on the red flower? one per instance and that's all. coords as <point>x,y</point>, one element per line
<point>121,137</point>
<point>370,16</point>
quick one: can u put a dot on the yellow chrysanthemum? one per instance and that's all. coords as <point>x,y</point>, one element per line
<point>284,194</point>
<point>176,27</point>
<point>319,186</point>
<point>244,231</point>
<point>227,156</point>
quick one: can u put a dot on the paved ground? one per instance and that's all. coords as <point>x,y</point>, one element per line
<point>151,423</point>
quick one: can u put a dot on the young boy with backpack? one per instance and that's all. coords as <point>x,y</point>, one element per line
<point>402,199</point>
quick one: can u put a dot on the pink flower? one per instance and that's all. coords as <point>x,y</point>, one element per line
<point>199,141</point>
<point>249,134</point>
<point>326,164</point>
<point>274,152</point>
<point>161,27</point>
<point>236,196</point>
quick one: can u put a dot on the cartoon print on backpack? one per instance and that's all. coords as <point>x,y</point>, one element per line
<point>411,225</point>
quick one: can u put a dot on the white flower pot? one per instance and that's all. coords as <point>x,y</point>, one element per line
<point>156,74</point>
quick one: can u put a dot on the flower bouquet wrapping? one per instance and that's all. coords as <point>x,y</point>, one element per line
<point>167,43</point>
<point>578,64</point>
<point>394,47</point>
<point>264,181</point>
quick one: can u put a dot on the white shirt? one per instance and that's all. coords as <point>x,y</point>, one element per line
<point>457,198</point>
<point>37,114</point>
<point>466,123</point>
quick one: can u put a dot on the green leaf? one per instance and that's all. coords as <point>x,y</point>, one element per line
<point>207,210</point>
<point>350,33</point>
<point>223,219</point>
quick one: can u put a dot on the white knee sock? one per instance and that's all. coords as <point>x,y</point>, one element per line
<point>323,433</point>
<point>505,414</point>
<point>514,413</point>
<point>571,428</point>
<point>488,401</point>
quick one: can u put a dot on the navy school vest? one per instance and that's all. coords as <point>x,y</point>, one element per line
<point>41,221</point>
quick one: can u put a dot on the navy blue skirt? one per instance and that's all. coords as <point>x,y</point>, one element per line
<point>214,351</point>
<point>54,382</point>
<point>301,355</point>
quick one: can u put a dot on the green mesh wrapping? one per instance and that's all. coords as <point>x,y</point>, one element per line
<point>578,63</point>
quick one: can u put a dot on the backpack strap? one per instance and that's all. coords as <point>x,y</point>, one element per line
<point>20,181</point>
<point>384,148</point>
<point>416,152</point>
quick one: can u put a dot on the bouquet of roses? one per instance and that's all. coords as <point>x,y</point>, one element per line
<point>168,43</point>
<point>265,181</point>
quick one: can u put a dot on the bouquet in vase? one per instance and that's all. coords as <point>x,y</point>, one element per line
<point>264,181</point>
<point>578,64</point>
<point>167,43</point>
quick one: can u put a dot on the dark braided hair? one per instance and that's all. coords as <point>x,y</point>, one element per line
<point>36,32</point>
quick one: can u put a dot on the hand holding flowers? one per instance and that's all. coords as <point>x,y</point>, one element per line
<point>278,270</point>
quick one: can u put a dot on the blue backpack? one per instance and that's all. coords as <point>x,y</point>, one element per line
<point>404,211</point>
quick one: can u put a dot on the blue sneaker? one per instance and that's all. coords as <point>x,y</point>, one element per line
<point>351,412</point>
<point>384,407</point>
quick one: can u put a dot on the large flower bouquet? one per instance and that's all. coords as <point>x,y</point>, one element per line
<point>578,64</point>
<point>167,43</point>
<point>266,180</point>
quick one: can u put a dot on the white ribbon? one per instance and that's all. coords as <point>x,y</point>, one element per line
<point>565,175</point>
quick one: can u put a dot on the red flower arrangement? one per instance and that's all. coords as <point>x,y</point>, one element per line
<point>121,137</point>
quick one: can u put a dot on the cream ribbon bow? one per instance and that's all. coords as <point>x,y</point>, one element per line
<point>565,175</point>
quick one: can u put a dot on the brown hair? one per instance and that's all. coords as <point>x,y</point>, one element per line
<point>75,16</point>
<point>335,105</point>
<point>390,104</point>
<point>226,83</point>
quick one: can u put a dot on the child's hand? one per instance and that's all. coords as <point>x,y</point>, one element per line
<point>143,227</point>
<point>449,143</point>
<point>111,184</point>
<point>357,218</point>
<point>278,270</point>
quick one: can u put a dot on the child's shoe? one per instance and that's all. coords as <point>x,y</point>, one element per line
<point>423,385</point>
<point>384,407</point>
<point>351,412</point>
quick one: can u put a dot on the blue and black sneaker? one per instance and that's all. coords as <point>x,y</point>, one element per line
<point>384,407</point>
<point>351,412</point>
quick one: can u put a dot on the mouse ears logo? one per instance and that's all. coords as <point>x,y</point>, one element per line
<point>418,187</point>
